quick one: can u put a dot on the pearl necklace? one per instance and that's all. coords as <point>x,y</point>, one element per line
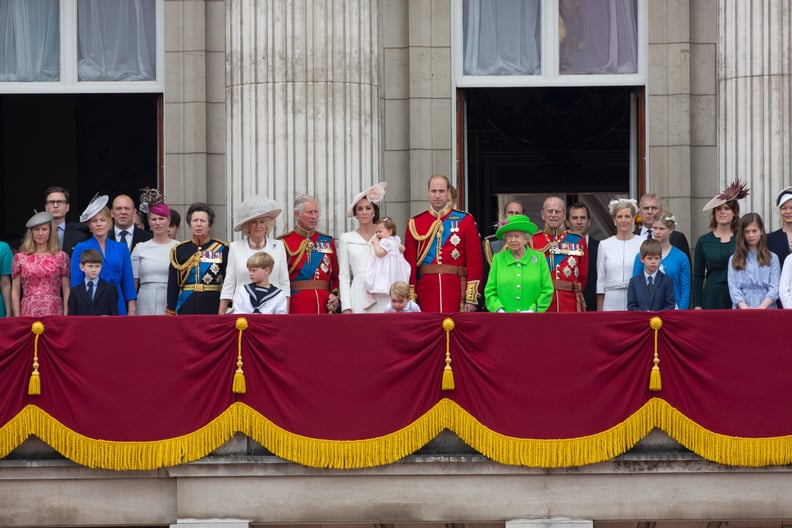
<point>259,245</point>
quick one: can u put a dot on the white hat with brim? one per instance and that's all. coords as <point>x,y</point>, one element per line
<point>255,207</point>
<point>95,207</point>
<point>784,196</point>
<point>373,194</point>
<point>38,219</point>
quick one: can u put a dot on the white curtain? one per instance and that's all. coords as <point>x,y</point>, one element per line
<point>29,40</point>
<point>116,40</point>
<point>598,36</point>
<point>502,37</point>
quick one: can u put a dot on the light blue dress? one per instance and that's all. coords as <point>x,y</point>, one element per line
<point>755,283</point>
<point>677,266</point>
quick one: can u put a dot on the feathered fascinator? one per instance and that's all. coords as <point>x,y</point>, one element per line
<point>373,194</point>
<point>151,200</point>
<point>621,203</point>
<point>737,190</point>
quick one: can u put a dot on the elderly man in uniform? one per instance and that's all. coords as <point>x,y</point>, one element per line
<point>567,257</point>
<point>312,260</point>
<point>443,248</point>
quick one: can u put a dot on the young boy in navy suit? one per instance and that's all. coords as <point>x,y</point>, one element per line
<point>651,290</point>
<point>95,296</point>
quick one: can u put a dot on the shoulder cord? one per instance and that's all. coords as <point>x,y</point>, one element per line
<point>184,269</point>
<point>435,230</point>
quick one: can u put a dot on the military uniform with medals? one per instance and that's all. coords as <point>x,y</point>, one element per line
<point>567,257</point>
<point>313,270</point>
<point>195,277</point>
<point>444,252</point>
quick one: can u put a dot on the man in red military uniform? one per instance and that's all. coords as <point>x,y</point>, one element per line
<point>312,260</point>
<point>567,257</point>
<point>443,248</point>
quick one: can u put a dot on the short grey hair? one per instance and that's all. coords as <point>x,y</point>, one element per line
<point>301,200</point>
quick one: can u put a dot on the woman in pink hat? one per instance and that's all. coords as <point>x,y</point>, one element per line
<point>151,259</point>
<point>355,249</point>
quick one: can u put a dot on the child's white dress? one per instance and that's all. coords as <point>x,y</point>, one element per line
<point>387,269</point>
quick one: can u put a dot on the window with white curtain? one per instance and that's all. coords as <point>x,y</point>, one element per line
<point>62,46</point>
<point>550,42</point>
<point>29,40</point>
<point>116,40</point>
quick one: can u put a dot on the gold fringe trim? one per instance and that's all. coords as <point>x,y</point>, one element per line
<point>350,454</point>
<point>118,456</point>
<point>448,374</point>
<point>344,454</point>
<point>655,383</point>
<point>239,386</point>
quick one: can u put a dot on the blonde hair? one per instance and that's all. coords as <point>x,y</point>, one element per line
<point>104,212</point>
<point>28,246</point>
<point>400,290</point>
<point>262,260</point>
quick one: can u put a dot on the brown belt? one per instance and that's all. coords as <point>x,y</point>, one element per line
<point>310,285</point>
<point>563,285</point>
<point>443,268</point>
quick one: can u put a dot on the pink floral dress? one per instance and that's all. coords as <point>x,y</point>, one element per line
<point>41,280</point>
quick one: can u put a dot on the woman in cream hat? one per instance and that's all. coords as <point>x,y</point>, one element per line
<point>519,279</point>
<point>40,271</point>
<point>713,249</point>
<point>255,218</point>
<point>355,249</point>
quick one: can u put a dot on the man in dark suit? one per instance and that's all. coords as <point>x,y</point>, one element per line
<point>70,234</point>
<point>124,230</point>
<point>94,296</point>
<point>650,206</point>
<point>579,220</point>
<point>651,290</point>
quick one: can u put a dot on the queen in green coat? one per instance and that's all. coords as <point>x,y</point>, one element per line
<point>519,278</point>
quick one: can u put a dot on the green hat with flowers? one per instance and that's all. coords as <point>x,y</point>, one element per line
<point>515,223</point>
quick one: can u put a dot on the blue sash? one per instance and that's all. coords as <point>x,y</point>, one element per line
<point>559,258</point>
<point>454,217</point>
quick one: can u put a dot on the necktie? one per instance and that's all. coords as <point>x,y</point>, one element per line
<point>90,290</point>
<point>649,285</point>
<point>124,237</point>
<point>648,233</point>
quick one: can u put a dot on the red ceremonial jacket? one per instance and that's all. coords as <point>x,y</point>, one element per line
<point>567,256</point>
<point>313,270</point>
<point>450,240</point>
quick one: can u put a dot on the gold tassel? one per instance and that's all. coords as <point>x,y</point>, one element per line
<point>655,383</point>
<point>34,386</point>
<point>448,374</point>
<point>239,376</point>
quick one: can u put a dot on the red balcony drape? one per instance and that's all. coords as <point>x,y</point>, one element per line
<point>545,390</point>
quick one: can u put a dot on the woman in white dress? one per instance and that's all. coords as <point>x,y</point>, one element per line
<point>255,217</point>
<point>616,256</point>
<point>355,249</point>
<point>151,259</point>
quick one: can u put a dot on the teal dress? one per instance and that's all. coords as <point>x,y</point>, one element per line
<point>519,285</point>
<point>710,272</point>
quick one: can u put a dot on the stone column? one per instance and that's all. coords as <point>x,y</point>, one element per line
<point>304,103</point>
<point>755,108</point>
